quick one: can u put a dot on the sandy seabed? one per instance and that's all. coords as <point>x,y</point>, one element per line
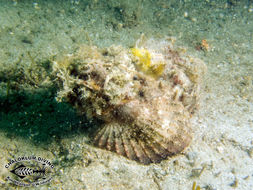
<point>33,123</point>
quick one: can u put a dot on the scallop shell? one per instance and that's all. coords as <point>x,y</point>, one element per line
<point>145,118</point>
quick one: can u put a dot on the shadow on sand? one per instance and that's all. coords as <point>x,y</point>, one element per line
<point>39,117</point>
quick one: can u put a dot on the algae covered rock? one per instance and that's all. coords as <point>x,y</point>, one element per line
<point>145,96</point>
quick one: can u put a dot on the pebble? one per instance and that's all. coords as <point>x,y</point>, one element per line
<point>191,156</point>
<point>220,149</point>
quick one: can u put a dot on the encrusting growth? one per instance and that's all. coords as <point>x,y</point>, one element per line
<point>145,96</point>
<point>151,64</point>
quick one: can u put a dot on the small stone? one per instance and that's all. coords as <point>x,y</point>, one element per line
<point>191,155</point>
<point>193,19</point>
<point>235,183</point>
<point>250,152</point>
<point>220,149</point>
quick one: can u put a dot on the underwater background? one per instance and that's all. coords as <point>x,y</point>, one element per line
<point>34,34</point>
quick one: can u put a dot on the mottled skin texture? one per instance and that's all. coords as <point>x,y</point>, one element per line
<point>146,117</point>
<point>148,128</point>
